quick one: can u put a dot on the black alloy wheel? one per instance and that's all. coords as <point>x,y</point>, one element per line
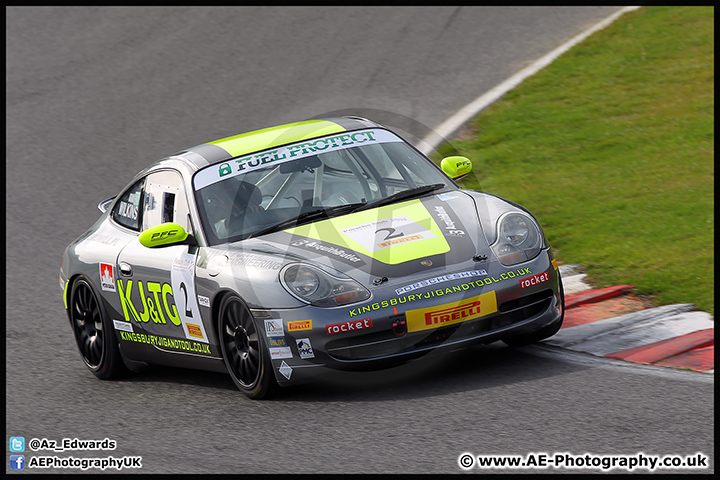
<point>244,351</point>
<point>94,335</point>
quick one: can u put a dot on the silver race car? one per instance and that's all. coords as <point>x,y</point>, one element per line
<point>324,243</point>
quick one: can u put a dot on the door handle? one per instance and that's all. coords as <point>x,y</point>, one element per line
<point>125,269</point>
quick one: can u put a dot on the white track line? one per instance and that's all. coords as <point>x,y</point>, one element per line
<point>452,124</point>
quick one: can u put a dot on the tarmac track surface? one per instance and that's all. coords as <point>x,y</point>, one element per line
<point>96,94</point>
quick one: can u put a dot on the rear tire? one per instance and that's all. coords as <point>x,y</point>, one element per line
<point>94,334</point>
<point>246,356</point>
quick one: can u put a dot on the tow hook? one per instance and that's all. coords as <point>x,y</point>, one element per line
<point>400,327</point>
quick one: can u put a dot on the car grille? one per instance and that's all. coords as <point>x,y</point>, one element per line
<point>385,342</point>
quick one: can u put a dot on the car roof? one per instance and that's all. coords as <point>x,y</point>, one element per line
<point>258,140</point>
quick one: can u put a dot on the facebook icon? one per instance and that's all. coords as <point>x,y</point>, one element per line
<point>17,462</point>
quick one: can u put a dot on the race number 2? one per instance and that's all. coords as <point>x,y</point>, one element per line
<point>182,279</point>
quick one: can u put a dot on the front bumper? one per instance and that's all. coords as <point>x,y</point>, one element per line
<point>385,331</point>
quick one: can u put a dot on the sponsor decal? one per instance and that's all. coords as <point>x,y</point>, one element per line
<point>480,283</point>
<point>252,260</point>
<point>164,235</point>
<point>445,196</point>
<point>194,330</point>
<point>305,348</point>
<point>124,326</point>
<point>449,223</point>
<point>451,313</point>
<point>440,279</point>
<point>157,296</point>
<point>203,301</point>
<point>442,215</point>
<point>277,342</point>
<point>350,326</point>
<point>269,158</point>
<point>390,234</point>
<point>277,353</point>
<point>274,328</point>
<point>285,370</point>
<point>107,277</point>
<point>534,280</point>
<point>182,279</point>
<point>387,232</point>
<point>318,246</point>
<point>395,241</point>
<point>225,169</point>
<point>297,325</point>
<point>159,305</point>
<point>165,342</point>
<point>104,239</point>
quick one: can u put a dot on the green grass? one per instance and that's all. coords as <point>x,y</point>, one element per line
<point>612,148</point>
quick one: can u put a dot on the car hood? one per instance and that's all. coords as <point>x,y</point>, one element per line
<point>393,241</point>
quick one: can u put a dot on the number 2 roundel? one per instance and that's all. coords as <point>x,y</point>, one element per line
<point>183,285</point>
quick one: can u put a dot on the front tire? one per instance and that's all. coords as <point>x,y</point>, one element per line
<point>94,334</point>
<point>246,355</point>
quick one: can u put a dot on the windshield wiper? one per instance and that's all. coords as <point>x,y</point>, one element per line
<point>399,196</point>
<point>306,217</point>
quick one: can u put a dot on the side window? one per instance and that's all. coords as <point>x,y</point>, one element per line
<point>127,211</point>
<point>165,200</point>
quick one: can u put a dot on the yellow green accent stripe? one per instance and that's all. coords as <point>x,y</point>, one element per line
<point>275,136</point>
<point>65,291</point>
<point>398,246</point>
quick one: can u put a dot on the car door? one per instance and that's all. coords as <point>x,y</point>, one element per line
<point>156,286</point>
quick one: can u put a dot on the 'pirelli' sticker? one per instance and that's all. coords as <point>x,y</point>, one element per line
<point>296,325</point>
<point>451,313</point>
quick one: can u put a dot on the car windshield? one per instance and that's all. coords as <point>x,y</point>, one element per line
<point>310,180</point>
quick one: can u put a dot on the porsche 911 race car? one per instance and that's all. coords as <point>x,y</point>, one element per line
<point>324,243</point>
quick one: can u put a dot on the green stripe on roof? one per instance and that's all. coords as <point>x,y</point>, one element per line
<point>276,136</point>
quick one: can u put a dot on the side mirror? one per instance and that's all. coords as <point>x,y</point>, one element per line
<point>456,167</point>
<point>166,234</point>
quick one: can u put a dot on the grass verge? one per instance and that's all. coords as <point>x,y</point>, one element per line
<point>612,148</point>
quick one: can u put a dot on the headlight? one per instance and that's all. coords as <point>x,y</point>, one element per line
<point>317,287</point>
<point>519,239</point>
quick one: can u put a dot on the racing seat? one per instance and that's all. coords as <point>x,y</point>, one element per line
<point>247,198</point>
<point>246,210</point>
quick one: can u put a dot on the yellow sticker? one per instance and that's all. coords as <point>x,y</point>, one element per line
<point>391,234</point>
<point>194,330</point>
<point>296,325</point>
<point>451,313</point>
